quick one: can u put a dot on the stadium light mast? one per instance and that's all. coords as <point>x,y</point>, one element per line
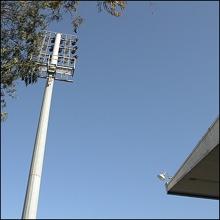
<point>56,62</point>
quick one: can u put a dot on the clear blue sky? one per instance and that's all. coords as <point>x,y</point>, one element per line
<point>145,91</point>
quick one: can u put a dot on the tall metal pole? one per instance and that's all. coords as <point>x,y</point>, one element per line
<point>33,186</point>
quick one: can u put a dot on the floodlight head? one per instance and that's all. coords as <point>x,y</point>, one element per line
<point>53,40</point>
<point>74,49</point>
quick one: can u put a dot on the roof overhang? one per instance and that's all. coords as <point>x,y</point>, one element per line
<point>199,174</point>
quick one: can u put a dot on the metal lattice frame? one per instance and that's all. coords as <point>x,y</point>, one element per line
<point>66,56</point>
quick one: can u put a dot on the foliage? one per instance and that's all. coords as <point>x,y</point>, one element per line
<point>112,7</point>
<point>22,23</point>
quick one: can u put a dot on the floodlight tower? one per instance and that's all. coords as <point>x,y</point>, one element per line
<point>56,62</point>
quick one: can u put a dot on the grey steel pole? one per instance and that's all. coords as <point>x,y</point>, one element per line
<point>33,186</point>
